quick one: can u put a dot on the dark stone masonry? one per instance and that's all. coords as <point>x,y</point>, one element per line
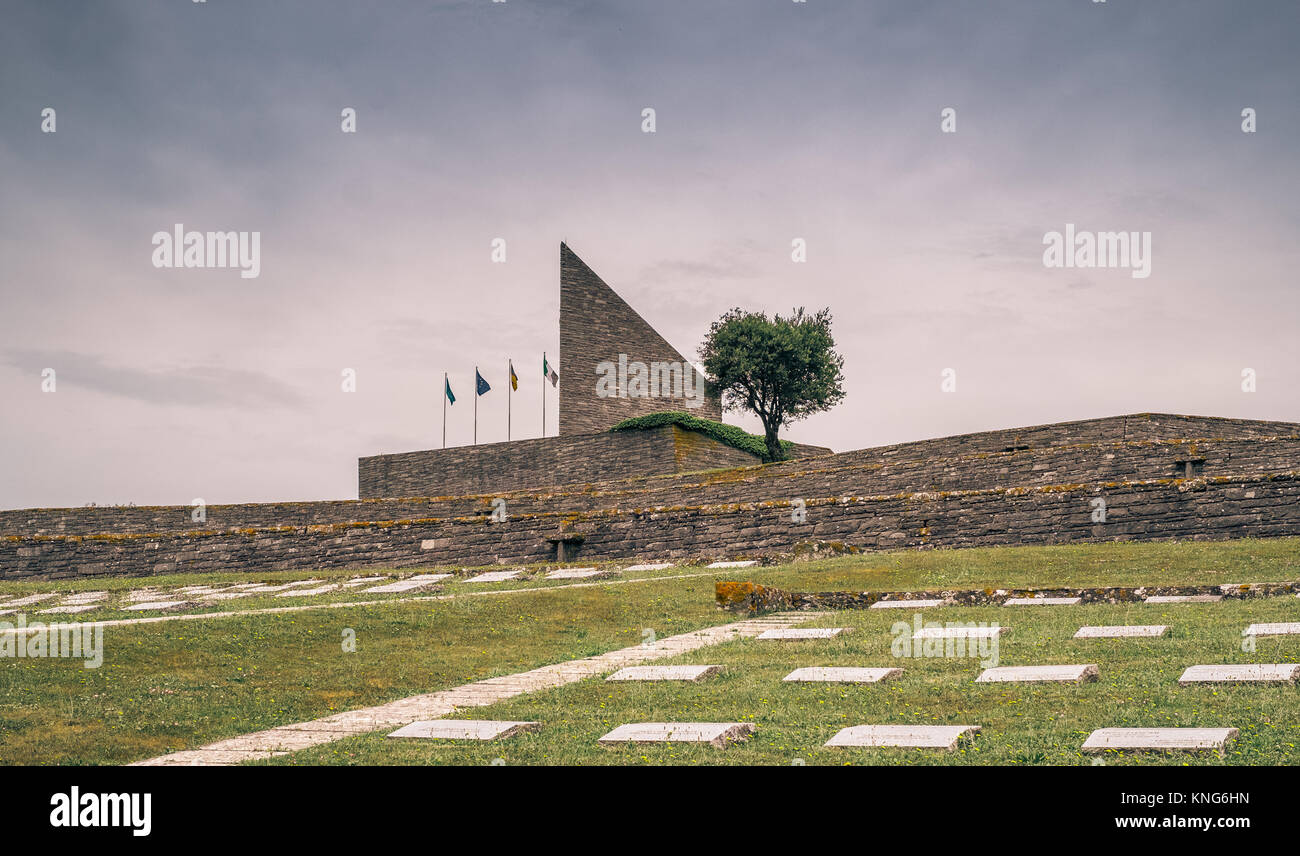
<point>897,497</point>
<point>596,326</point>
<point>668,493</point>
<point>548,461</point>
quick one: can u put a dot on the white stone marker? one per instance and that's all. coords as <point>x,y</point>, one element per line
<point>267,589</point>
<point>1272,629</point>
<point>744,564</point>
<point>573,573</point>
<point>1264,673</point>
<point>1042,601</point>
<point>226,595</point>
<point>158,604</point>
<point>652,566</point>
<point>1159,739</point>
<point>71,607</point>
<point>307,592</point>
<point>30,599</point>
<point>958,632</point>
<point>840,674</point>
<point>716,734</point>
<point>361,581</point>
<point>1185,598</point>
<point>664,673</point>
<point>494,577</point>
<point>906,604</point>
<point>802,632</point>
<point>406,585</point>
<point>1081,674</point>
<point>86,597</point>
<point>465,729</point>
<point>909,736</point>
<point>1122,631</point>
<point>426,578</point>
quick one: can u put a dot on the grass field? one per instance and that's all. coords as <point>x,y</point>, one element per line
<point>181,684</point>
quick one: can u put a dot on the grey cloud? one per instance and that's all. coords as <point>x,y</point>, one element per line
<point>190,386</point>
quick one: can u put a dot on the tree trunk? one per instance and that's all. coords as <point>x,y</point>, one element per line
<point>774,450</point>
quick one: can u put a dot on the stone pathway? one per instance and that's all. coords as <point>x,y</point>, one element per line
<point>290,738</point>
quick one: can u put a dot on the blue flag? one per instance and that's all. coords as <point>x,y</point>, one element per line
<point>482,385</point>
<point>450,397</point>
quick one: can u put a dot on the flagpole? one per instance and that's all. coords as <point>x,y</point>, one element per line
<point>444,409</point>
<point>510,389</point>
<point>543,393</point>
<point>476,405</point>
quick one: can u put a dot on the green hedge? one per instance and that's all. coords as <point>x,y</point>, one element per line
<point>728,435</point>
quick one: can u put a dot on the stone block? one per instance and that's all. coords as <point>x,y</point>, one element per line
<point>716,734</point>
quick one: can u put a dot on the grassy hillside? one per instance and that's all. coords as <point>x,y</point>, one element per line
<point>181,684</point>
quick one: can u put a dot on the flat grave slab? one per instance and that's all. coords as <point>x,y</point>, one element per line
<point>428,578</point>
<point>1159,739</point>
<point>494,577</point>
<point>958,632</point>
<point>361,581</point>
<point>841,674</point>
<point>1184,598</point>
<point>745,564</point>
<point>146,594</point>
<point>406,585</point>
<point>157,604</point>
<point>1042,601</point>
<point>226,595</point>
<point>465,729</point>
<point>716,734</point>
<point>573,573</point>
<point>71,608</point>
<point>1122,631</point>
<point>307,592</point>
<point>1282,629</point>
<point>30,599</point>
<point>664,673</point>
<point>907,736</point>
<point>86,597</point>
<point>1073,674</point>
<point>802,632</point>
<point>650,566</point>
<point>906,604</point>
<point>1262,673</point>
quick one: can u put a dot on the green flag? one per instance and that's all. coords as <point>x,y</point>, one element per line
<point>450,397</point>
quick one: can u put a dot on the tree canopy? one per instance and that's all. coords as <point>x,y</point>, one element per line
<point>782,370</point>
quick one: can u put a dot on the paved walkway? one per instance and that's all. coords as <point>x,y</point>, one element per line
<point>291,738</point>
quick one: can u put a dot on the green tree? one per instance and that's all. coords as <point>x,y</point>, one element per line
<point>781,370</point>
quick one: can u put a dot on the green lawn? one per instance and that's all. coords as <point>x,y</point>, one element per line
<point>181,684</point>
<point>1022,724</point>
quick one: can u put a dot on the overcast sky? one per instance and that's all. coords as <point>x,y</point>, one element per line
<point>523,120</point>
